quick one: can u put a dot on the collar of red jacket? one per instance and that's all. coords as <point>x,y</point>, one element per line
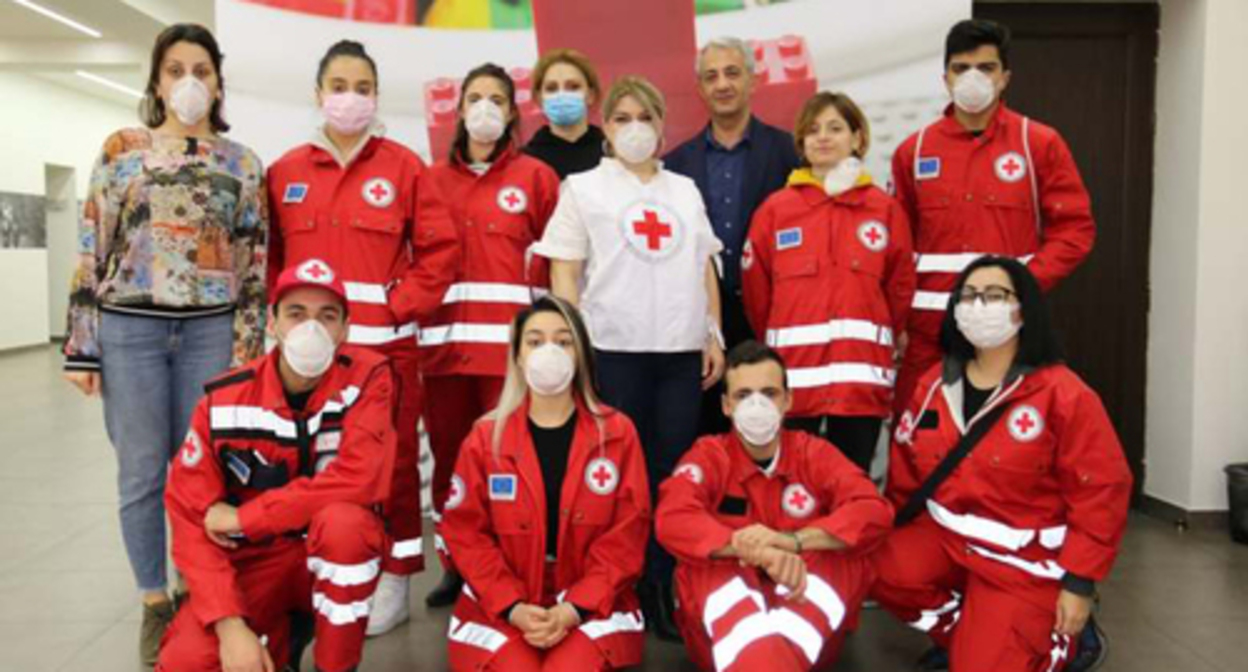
<point>273,392</point>
<point>743,464</point>
<point>810,188</point>
<point>1002,117</point>
<point>516,431</point>
<point>498,164</point>
<point>325,151</point>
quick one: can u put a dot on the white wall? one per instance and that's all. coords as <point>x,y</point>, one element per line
<point>45,123</point>
<point>1198,324</point>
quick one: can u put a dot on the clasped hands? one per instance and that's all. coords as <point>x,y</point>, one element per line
<point>773,552</point>
<point>544,628</point>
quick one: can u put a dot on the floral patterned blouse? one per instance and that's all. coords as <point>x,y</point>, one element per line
<point>173,226</point>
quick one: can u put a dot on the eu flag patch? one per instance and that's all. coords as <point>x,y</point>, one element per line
<point>788,238</point>
<point>295,192</point>
<point>503,487</point>
<point>928,168</point>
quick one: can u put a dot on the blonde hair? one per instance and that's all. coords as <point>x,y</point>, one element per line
<point>571,57</point>
<point>516,388</point>
<point>845,106</point>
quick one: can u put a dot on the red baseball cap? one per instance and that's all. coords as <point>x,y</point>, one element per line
<point>310,273</point>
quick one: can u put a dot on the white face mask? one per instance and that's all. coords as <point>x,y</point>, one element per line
<point>973,91</point>
<point>843,176</point>
<point>189,99</point>
<point>757,419</point>
<point>485,121</point>
<point>308,349</point>
<point>635,142</point>
<point>549,370</point>
<point>987,325</point>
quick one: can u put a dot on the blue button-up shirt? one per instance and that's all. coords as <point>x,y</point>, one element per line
<point>725,180</point>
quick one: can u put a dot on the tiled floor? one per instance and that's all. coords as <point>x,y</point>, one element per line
<point>1177,601</point>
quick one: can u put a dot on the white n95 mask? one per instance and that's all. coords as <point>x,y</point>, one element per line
<point>757,419</point>
<point>485,121</point>
<point>549,370</point>
<point>973,91</point>
<point>308,349</point>
<point>189,99</point>
<point>636,142</point>
<point>986,325</point>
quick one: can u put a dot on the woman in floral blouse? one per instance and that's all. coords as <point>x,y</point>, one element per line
<point>169,289</point>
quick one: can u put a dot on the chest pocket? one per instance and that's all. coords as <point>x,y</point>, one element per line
<point>933,197</point>
<point>513,227</point>
<point>299,219</point>
<point>857,257</point>
<point>796,267</point>
<point>378,222</point>
<point>593,509</point>
<point>511,517</point>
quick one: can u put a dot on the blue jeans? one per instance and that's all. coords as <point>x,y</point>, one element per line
<point>153,372</point>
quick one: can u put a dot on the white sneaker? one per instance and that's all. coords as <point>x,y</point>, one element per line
<point>388,607</point>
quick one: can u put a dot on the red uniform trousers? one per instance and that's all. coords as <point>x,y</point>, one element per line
<point>575,653</point>
<point>402,512</point>
<point>991,617</point>
<point>733,618</point>
<point>332,574</point>
<point>455,403</point>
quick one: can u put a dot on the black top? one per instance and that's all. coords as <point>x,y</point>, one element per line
<point>567,157</point>
<point>973,398</point>
<point>553,447</point>
<point>298,401</point>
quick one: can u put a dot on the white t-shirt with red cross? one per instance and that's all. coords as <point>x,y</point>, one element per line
<point>646,246</point>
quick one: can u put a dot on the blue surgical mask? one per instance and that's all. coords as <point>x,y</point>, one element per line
<point>566,108</point>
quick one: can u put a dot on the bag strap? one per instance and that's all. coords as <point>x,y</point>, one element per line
<point>918,501</point>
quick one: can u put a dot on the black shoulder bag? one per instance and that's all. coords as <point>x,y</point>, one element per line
<point>918,501</point>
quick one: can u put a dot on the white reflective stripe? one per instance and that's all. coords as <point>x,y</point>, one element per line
<point>1059,652</point>
<point>725,598</point>
<point>842,372</point>
<point>797,630</point>
<point>250,417</point>
<point>993,532</point>
<point>347,398</point>
<point>930,300</point>
<point>465,332</point>
<point>468,591</point>
<point>928,618</point>
<point>359,334</point>
<point>620,621</point>
<point>945,263</point>
<point>408,548</point>
<point>834,330</point>
<point>561,597</point>
<point>366,292</point>
<point>747,631</point>
<point>339,614</point>
<point>1053,538</point>
<point>476,635</point>
<point>1047,569</point>
<point>488,292</point>
<point>824,596</point>
<point>344,575</point>
<point>439,544</point>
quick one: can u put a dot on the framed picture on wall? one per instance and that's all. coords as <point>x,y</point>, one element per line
<point>23,224</point>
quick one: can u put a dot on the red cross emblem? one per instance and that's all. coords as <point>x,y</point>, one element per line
<point>905,428</point>
<point>315,270</point>
<point>378,192</point>
<point>601,475</point>
<point>873,235</point>
<point>1025,424</point>
<point>192,449</point>
<point>797,501</point>
<point>512,200</point>
<point>747,256</point>
<point>690,471</point>
<point>1010,167</point>
<point>456,495</point>
<point>653,231</point>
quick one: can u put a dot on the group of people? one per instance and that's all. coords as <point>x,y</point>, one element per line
<point>652,388</point>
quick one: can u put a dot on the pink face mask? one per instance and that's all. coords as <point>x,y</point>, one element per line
<point>348,112</point>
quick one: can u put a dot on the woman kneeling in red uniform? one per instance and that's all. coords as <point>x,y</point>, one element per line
<point>998,559</point>
<point>548,514</point>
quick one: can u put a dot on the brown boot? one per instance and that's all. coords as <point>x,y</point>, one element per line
<point>156,619</point>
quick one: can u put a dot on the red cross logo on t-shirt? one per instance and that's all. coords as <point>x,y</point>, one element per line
<point>653,230</point>
<point>601,476</point>
<point>378,192</point>
<point>797,501</point>
<point>512,200</point>
<point>1025,423</point>
<point>1010,167</point>
<point>873,235</point>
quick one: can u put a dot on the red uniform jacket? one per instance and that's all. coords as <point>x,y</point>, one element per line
<point>498,216</point>
<point>378,223</point>
<point>248,448</point>
<point>494,524</point>
<point>1047,483</point>
<point>1005,192</point>
<point>718,489</point>
<point>830,281</point>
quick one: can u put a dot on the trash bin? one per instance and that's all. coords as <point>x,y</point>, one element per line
<point>1237,495</point>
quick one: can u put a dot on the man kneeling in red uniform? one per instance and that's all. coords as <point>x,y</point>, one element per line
<point>769,529</point>
<point>273,496</point>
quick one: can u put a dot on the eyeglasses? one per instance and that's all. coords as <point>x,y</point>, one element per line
<point>988,296</point>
